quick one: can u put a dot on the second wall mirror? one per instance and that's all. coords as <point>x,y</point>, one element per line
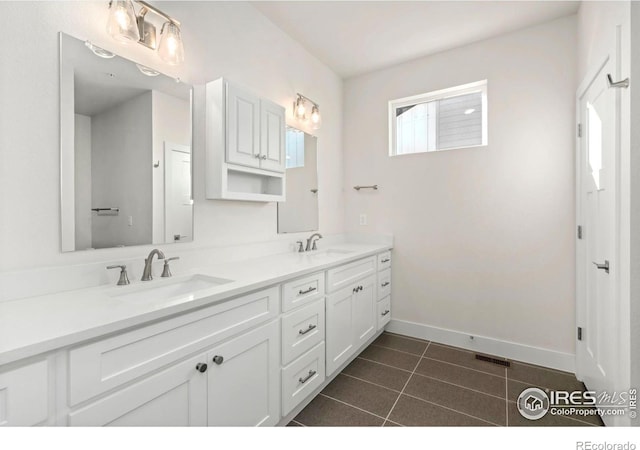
<point>300,211</point>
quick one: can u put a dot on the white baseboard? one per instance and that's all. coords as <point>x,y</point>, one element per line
<point>511,350</point>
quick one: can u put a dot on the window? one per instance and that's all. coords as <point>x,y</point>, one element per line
<point>440,120</point>
<point>295,148</point>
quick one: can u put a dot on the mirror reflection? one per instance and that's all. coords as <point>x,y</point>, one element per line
<point>125,152</point>
<point>300,211</point>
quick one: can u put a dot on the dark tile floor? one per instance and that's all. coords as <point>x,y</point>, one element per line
<point>402,381</point>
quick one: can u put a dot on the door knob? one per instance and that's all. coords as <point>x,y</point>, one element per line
<point>201,367</point>
<point>604,266</point>
<point>218,359</point>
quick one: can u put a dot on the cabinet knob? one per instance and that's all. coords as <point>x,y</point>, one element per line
<point>218,359</point>
<point>201,367</point>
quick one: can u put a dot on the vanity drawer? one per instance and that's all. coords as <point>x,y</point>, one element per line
<point>302,291</point>
<point>384,283</point>
<point>384,260</point>
<point>24,395</point>
<point>302,377</point>
<point>103,365</point>
<point>302,330</point>
<point>343,276</point>
<point>384,312</point>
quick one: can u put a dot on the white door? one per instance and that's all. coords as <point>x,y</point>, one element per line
<point>272,136</point>
<point>176,396</point>
<point>244,379</point>
<point>178,223</point>
<point>243,127</point>
<point>598,334</point>
<point>364,311</point>
<point>340,327</point>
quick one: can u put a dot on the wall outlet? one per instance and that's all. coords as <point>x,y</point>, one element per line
<point>363,219</point>
<point>130,221</point>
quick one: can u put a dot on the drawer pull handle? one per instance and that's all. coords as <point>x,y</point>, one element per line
<point>218,359</point>
<point>303,332</point>
<point>385,284</point>
<point>357,289</point>
<point>385,312</point>
<point>311,289</point>
<point>386,260</point>
<point>308,377</point>
<point>201,367</point>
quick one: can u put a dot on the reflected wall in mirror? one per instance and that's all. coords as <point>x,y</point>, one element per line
<point>300,211</point>
<point>125,152</point>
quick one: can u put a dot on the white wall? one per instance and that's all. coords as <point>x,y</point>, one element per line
<point>484,237</point>
<point>171,123</point>
<point>82,181</point>
<point>121,173</point>
<point>229,39</point>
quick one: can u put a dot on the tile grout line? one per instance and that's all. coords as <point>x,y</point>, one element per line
<point>461,366</point>
<point>405,384</point>
<point>506,395</point>
<point>453,410</point>
<point>425,376</point>
<point>299,423</point>
<point>409,338</point>
<point>353,406</point>
<point>417,355</point>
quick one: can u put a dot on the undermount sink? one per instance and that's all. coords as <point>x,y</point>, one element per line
<point>165,289</point>
<point>331,252</point>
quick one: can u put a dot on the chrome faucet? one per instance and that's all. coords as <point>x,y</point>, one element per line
<point>311,240</point>
<point>146,274</point>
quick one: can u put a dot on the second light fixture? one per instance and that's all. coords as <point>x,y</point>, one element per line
<point>300,108</point>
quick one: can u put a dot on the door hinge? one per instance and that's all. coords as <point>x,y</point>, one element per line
<point>579,231</point>
<point>579,130</point>
<point>579,333</point>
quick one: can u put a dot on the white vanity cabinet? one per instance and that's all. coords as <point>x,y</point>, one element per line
<point>245,145</point>
<point>24,394</point>
<point>384,289</point>
<point>351,313</point>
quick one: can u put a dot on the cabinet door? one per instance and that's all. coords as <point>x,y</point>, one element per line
<point>176,396</point>
<point>364,311</point>
<point>340,328</point>
<point>243,127</point>
<point>24,395</point>
<point>272,127</point>
<point>244,380</point>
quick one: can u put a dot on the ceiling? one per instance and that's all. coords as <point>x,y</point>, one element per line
<point>355,37</point>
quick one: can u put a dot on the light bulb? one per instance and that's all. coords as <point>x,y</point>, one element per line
<point>315,117</point>
<point>170,48</point>
<point>300,108</point>
<point>122,23</point>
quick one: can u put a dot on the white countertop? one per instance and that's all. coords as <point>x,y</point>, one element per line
<point>36,325</point>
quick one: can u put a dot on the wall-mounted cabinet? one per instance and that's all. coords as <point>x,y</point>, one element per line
<point>245,145</point>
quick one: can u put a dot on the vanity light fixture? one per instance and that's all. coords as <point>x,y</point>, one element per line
<point>300,110</point>
<point>125,25</point>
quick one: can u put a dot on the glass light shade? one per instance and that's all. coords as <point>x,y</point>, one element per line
<point>316,119</point>
<point>300,109</point>
<point>122,23</point>
<point>170,48</point>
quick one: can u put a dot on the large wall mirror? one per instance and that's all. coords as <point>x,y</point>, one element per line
<point>300,211</point>
<point>125,151</point>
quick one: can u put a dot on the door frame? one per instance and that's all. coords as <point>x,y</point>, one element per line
<point>621,258</point>
<point>168,148</point>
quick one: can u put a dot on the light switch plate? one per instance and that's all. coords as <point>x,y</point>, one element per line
<point>363,219</point>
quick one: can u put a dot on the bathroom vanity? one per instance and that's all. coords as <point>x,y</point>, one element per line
<point>237,344</point>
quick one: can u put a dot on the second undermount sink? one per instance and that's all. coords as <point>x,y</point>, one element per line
<point>331,252</point>
<point>167,288</point>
